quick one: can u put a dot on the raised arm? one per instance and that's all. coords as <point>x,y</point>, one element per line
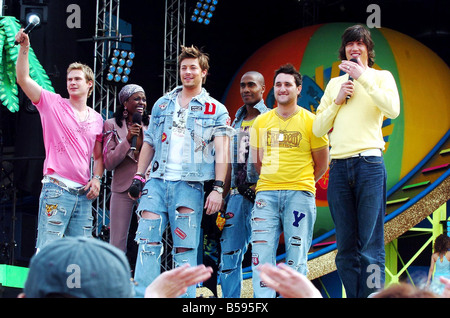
<point>28,85</point>
<point>383,92</point>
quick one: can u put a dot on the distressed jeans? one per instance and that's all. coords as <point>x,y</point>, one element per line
<point>288,211</point>
<point>357,200</point>
<point>62,213</point>
<point>234,242</point>
<point>164,198</point>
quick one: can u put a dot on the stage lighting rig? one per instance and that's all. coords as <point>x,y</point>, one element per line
<point>29,8</point>
<point>204,11</point>
<point>119,66</point>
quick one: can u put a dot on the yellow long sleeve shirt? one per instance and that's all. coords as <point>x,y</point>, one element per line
<point>355,126</point>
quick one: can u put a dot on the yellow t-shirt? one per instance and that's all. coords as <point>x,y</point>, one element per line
<point>287,162</point>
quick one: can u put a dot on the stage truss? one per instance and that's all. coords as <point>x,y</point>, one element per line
<point>107,36</point>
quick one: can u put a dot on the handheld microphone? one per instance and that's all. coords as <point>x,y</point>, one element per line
<point>349,77</point>
<point>33,22</point>
<point>137,119</point>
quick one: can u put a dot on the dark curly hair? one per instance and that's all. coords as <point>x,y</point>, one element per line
<point>289,69</point>
<point>441,244</point>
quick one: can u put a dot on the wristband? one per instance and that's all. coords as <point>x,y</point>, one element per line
<point>99,178</point>
<point>218,183</point>
<point>138,177</point>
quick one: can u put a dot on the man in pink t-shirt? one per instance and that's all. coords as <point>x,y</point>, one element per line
<point>72,134</point>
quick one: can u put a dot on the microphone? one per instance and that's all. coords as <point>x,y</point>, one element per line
<point>349,77</point>
<point>137,119</point>
<point>33,22</point>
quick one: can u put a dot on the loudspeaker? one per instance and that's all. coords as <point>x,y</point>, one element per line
<point>18,230</point>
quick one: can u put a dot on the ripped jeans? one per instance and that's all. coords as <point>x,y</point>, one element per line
<point>288,211</point>
<point>234,242</point>
<point>62,213</point>
<point>164,199</point>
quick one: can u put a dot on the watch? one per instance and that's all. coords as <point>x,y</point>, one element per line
<point>218,189</point>
<point>218,183</point>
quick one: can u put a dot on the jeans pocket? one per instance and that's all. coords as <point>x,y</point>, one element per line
<point>308,194</point>
<point>52,193</point>
<point>332,163</point>
<point>373,160</point>
<point>195,185</point>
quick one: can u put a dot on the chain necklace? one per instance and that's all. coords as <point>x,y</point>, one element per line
<point>180,98</point>
<point>283,131</point>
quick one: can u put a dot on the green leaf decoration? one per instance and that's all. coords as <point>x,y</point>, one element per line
<point>9,26</point>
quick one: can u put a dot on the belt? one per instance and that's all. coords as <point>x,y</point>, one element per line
<point>75,191</point>
<point>369,153</point>
<point>235,190</point>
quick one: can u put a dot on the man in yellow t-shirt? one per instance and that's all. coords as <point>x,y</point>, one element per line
<point>290,159</point>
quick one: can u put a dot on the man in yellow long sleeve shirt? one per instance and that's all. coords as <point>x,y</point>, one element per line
<point>351,111</point>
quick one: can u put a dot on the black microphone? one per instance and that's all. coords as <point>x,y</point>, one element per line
<point>34,21</point>
<point>137,119</point>
<point>349,77</point>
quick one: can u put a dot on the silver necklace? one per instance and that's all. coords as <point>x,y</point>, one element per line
<point>283,131</point>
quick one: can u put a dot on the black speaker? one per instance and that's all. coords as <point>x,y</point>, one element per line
<point>18,224</point>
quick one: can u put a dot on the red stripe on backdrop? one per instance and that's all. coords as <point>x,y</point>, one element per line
<point>279,51</point>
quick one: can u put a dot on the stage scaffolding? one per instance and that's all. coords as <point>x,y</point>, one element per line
<point>104,95</point>
<point>174,37</point>
<point>107,36</point>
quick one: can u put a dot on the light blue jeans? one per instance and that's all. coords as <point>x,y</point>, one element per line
<point>164,198</point>
<point>62,213</point>
<point>274,212</point>
<point>234,242</point>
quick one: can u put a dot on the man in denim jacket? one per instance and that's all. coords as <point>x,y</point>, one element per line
<point>186,144</point>
<point>243,177</point>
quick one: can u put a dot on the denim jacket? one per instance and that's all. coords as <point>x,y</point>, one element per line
<point>252,175</point>
<point>207,118</point>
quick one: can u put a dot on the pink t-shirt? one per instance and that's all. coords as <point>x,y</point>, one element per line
<point>69,144</point>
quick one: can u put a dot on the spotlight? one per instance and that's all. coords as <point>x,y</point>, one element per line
<point>119,68</point>
<point>203,11</point>
<point>28,8</point>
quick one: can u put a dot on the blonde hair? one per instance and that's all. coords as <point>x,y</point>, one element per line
<point>88,73</point>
